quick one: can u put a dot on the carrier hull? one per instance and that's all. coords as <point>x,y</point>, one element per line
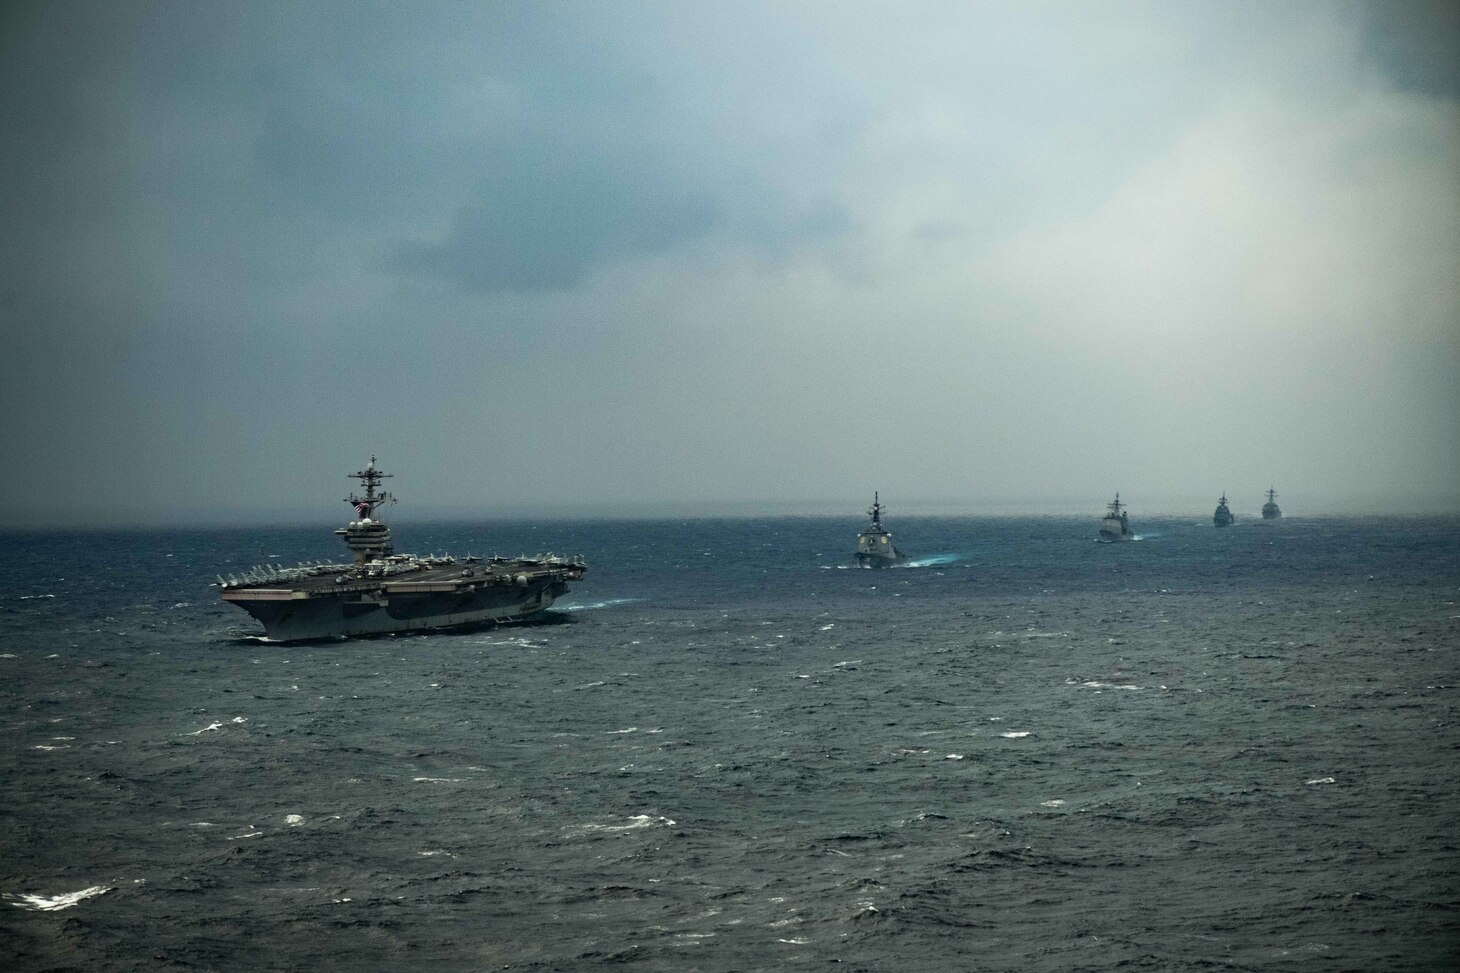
<point>289,618</point>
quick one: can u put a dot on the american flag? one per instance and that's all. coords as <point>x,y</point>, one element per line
<point>362,508</point>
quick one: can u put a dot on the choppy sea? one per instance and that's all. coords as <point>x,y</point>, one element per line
<point>729,749</point>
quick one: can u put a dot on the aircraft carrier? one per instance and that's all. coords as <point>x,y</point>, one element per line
<point>381,591</point>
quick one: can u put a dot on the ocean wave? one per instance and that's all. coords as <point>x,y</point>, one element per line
<point>54,903</point>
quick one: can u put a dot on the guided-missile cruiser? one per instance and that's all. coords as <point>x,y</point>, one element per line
<point>1115,525</point>
<point>1270,510</point>
<point>381,591</point>
<point>874,545</point>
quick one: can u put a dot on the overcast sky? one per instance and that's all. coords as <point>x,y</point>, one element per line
<point>711,256</point>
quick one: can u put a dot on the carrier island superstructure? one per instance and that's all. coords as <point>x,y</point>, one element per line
<point>381,591</point>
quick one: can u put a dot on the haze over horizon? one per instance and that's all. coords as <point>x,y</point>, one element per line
<point>547,258</point>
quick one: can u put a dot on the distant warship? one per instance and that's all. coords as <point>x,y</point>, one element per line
<point>1223,517</point>
<point>387,592</point>
<point>1270,510</point>
<point>1115,525</point>
<point>874,545</point>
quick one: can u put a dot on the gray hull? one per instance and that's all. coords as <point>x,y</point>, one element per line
<point>878,560</point>
<point>373,614</point>
<point>1111,537</point>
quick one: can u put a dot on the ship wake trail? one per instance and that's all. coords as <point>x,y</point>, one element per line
<point>932,561</point>
<point>606,603</point>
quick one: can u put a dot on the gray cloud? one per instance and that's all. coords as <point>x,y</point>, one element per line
<point>550,214</point>
<point>581,253</point>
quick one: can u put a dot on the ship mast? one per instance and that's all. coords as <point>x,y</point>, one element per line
<point>1271,495</point>
<point>876,511</point>
<point>1115,506</point>
<point>370,477</point>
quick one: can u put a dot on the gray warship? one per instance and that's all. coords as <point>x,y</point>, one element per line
<point>1270,510</point>
<point>1115,525</point>
<point>874,545</point>
<point>1223,517</point>
<point>382,591</point>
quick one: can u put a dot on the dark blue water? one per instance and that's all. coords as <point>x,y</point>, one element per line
<point>1207,749</point>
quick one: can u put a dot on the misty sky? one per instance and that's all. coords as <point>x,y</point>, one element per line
<point>695,255</point>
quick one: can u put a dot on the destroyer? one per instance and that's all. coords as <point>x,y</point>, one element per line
<point>382,591</point>
<point>1223,517</point>
<point>1115,525</point>
<point>874,545</point>
<point>1270,510</point>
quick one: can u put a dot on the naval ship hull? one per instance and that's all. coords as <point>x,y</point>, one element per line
<point>1114,537</point>
<point>290,615</point>
<point>879,560</point>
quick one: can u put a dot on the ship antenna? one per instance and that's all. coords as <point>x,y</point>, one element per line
<point>876,510</point>
<point>370,477</point>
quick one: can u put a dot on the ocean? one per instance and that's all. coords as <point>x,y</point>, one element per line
<point>728,749</point>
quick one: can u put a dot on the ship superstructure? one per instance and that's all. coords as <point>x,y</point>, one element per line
<point>874,545</point>
<point>381,591</point>
<point>1223,516</point>
<point>1115,525</point>
<point>1270,510</point>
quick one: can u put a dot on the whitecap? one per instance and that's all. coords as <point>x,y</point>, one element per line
<point>828,627</point>
<point>1015,734</point>
<point>954,756</point>
<point>251,834</point>
<point>1322,780</point>
<point>632,729</point>
<point>635,822</point>
<point>1055,803</point>
<point>438,780</point>
<point>294,820</point>
<point>41,903</point>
